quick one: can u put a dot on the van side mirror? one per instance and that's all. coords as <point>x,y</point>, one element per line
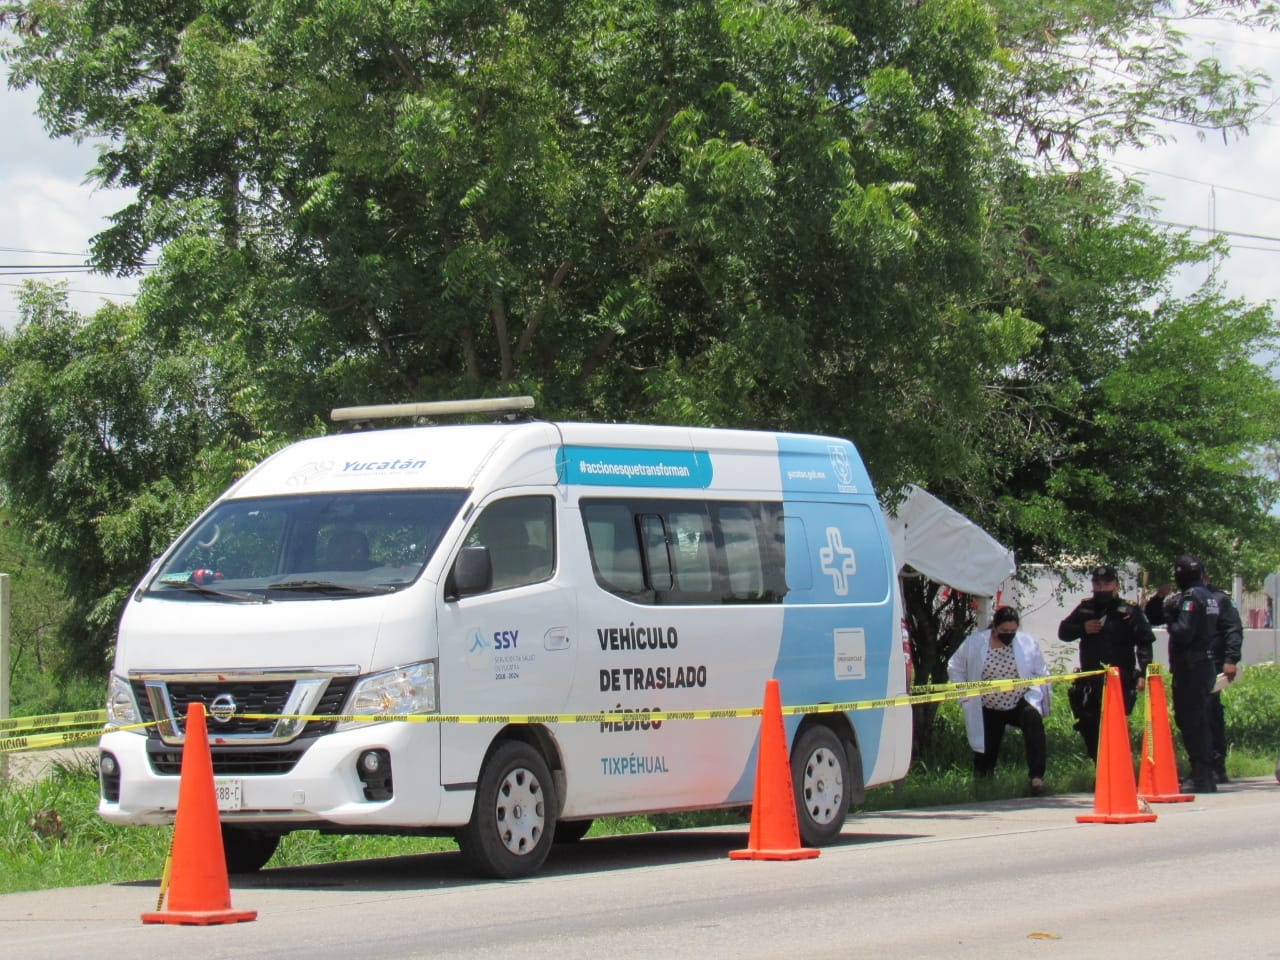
<point>472,573</point>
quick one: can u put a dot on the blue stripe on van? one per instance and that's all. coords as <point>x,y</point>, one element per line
<point>839,575</point>
<point>634,467</point>
<point>821,465</point>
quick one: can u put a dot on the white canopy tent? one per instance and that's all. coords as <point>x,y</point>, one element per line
<point>946,546</point>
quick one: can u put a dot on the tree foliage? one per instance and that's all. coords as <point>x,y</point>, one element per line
<point>1079,76</point>
<point>727,212</point>
<point>108,445</point>
<point>37,612</point>
<point>882,220</point>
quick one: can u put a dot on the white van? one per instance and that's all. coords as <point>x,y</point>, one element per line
<point>516,567</point>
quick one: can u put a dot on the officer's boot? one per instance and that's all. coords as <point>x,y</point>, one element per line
<point>1203,780</point>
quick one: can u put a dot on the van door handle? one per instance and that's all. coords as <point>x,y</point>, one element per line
<point>557,638</point>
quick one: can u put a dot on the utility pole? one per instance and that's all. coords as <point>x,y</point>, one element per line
<point>4,666</point>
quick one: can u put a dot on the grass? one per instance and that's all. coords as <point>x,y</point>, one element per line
<point>51,835</point>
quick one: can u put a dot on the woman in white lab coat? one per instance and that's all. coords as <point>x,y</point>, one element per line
<point>1000,653</point>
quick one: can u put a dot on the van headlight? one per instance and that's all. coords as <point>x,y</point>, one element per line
<point>122,708</point>
<point>398,692</point>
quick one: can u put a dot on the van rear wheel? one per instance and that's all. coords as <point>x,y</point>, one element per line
<point>247,850</point>
<point>513,823</point>
<point>819,775</point>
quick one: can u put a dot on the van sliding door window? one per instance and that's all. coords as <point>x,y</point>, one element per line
<point>742,553</point>
<point>687,551</point>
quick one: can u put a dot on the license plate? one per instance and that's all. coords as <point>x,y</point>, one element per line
<point>229,793</point>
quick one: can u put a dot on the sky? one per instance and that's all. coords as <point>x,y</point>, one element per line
<point>49,214</point>
<point>1234,188</point>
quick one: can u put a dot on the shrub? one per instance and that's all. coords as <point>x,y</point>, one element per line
<point>1252,709</point>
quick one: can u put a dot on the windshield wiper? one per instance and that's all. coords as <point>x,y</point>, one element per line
<point>235,596</point>
<point>332,587</point>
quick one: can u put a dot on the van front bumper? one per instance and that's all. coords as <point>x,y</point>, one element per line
<point>322,787</point>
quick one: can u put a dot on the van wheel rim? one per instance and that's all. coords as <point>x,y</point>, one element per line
<point>520,812</point>
<point>823,787</point>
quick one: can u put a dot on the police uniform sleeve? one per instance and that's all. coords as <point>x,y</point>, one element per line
<point>1155,610</point>
<point>1144,639</point>
<point>1072,628</point>
<point>1232,629</point>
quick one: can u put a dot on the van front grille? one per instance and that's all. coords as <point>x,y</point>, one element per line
<point>164,702</point>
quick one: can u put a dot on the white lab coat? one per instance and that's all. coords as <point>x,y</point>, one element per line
<point>966,665</point>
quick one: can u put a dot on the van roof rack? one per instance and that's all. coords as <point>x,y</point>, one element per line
<point>510,408</point>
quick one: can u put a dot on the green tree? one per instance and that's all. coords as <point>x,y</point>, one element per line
<point>108,446</point>
<point>723,213</point>
<point>839,217</point>
<point>37,611</point>
<point>1079,77</point>
<point>1138,426</point>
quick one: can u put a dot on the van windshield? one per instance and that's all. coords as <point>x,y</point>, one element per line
<point>308,546</point>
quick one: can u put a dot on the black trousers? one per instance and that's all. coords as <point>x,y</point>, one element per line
<point>1026,718</point>
<point>1085,698</point>
<point>1218,727</point>
<point>1193,675</point>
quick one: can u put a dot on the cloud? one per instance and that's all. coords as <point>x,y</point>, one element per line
<point>1232,186</point>
<point>49,210</point>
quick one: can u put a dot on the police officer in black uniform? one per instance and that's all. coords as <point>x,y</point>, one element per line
<point>1112,632</point>
<point>1227,641</point>
<point>1191,616</point>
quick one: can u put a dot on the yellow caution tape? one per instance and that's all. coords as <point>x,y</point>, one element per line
<point>53,720</point>
<point>46,741</point>
<point>935,693</point>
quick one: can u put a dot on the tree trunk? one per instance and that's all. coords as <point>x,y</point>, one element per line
<point>938,619</point>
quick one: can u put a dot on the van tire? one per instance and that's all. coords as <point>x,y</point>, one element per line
<point>820,777</point>
<point>513,822</point>
<point>247,850</point>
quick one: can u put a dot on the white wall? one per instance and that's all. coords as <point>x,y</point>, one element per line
<point>1047,600</point>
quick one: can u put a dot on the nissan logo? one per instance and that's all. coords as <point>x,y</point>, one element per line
<point>223,707</point>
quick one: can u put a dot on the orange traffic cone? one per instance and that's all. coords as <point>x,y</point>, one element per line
<point>1115,796</point>
<point>1157,770</point>
<point>775,832</point>
<point>199,892</point>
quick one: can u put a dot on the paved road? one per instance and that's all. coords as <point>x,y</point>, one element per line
<point>992,880</point>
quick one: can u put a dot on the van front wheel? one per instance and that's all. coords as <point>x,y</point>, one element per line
<point>247,850</point>
<point>819,775</point>
<point>513,823</point>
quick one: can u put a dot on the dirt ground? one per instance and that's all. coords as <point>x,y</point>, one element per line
<point>26,766</point>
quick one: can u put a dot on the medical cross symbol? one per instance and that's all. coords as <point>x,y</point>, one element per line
<point>838,561</point>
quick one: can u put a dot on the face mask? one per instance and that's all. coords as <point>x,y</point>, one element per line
<point>1005,638</point>
<point>1103,597</point>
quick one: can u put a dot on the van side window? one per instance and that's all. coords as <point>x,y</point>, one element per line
<point>615,549</point>
<point>658,569</point>
<point>520,535</point>
<point>742,553</point>
<point>687,551</point>
<point>694,551</point>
